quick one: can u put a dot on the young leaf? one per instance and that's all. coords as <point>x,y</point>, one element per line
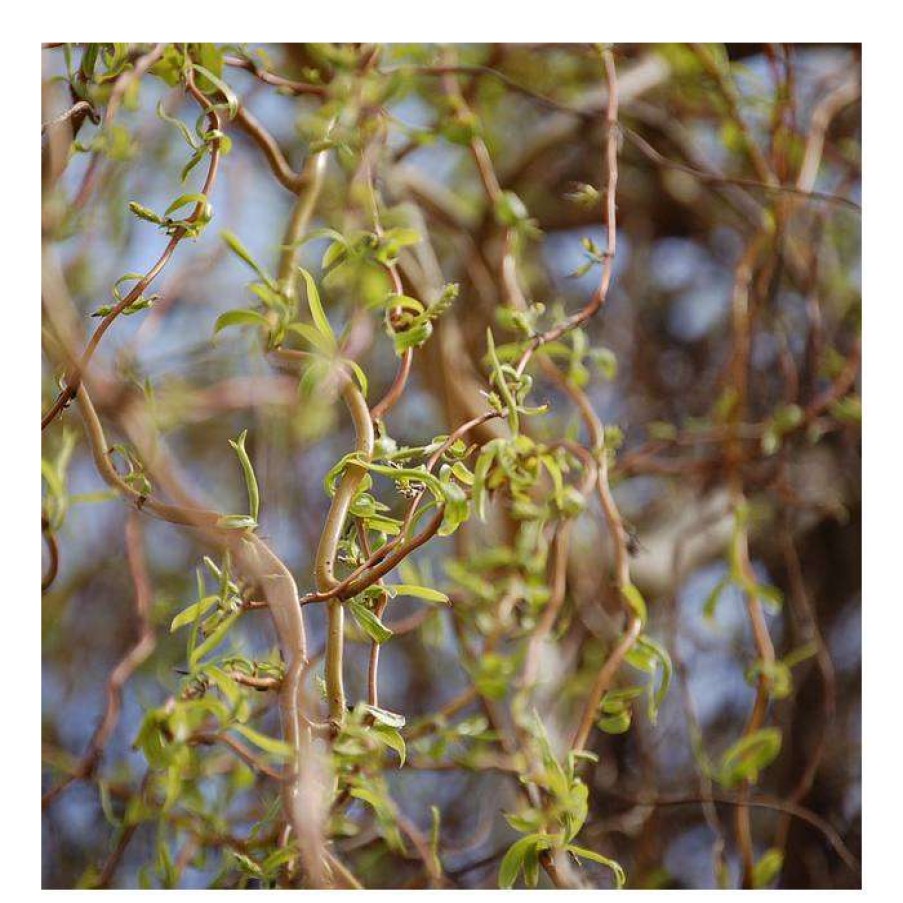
<point>413,337</point>
<point>583,853</point>
<point>434,839</point>
<point>359,374</point>
<point>663,662</point>
<point>222,87</point>
<point>273,746</point>
<point>748,756</point>
<point>419,592</point>
<point>616,723</point>
<point>369,622</point>
<point>318,315</point>
<point>145,213</point>
<point>190,614</point>
<point>391,738</point>
<point>239,318</point>
<point>711,601</point>
<point>244,254</point>
<point>767,868</point>
<point>183,200</point>
<point>248,470</point>
<point>513,861</point>
<point>635,600</point>
<point>213,640</point>
<point>383,716</point>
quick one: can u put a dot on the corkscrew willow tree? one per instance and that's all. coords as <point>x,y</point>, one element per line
<point>502,530</point>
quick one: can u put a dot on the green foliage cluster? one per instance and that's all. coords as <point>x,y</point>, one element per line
<point>488,530</point>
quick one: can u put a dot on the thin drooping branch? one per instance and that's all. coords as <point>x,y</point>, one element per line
<point>53,552</point>
<point>287,177</point>
<point>802,189</point>
<point>272,78</point>
<point>134,657</point>
<point>825,828</point>
<point>74,375</point>
<point>611,228</point>
<point>137,654</point>
<point>799,598</point>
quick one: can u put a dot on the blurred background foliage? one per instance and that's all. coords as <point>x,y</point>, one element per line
<point>706,135</point>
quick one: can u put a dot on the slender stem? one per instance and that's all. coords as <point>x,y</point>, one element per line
<point>74,375</point>
<point>293,181</point>
<point>327,549</point>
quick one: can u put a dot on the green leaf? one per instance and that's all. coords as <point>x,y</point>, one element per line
<point>848,409</point>
<point>106,803</point>
<point>748,756</point>
<point>661,661</point>
<point>456,508</point>
<point>359,374</point>
<point>434,839</point>
<point>227,685</point>
<point>778,678</point>
<point>334,252</point>
<point>788,417</point>
<point>493,675</point>
<point>213,640</point>
<point>222,87</point>
<point>313,375</point>
<point>510,209</point>
<point>248,470</point>
<point>770,596</point>
<point>183,200</point>
<point>239,318</point>
<point>145,213</point>
<point>635,600</point>
<point>272,745</point>
<point>369,622</point>
<point>513,861</point>
<point>583,853</point>
<point>186,133</point>
<point>502,383</point>
<point>391,738</point>
<point>377,797</point>
<point>244,254</point>
<point>616,723</point>
<point>196,158</point>
<point>383,716</point>
<point>767,868</point>
<point>418,592</point>
<point>405,302</point>
<point>169,66</point>
<point>246,864</point>
<point>318,315</point>
<point>481,472</point>
<point>413,337</point>
<point>711,602</point>
<point>312,335</point>
<point>401,237</point>
<point>526,822</point>
<point>190,614</point>
<point>800,654</point>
